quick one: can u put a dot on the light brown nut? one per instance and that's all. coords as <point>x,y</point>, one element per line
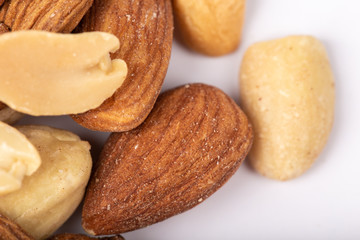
<point>287,90</point>
<point>48,15</point>
<point>73,77</point>
<point>193,141</point>
<point>11,231</point>
<point>18,158</point>
<point>53,192</point>
<point>68,236</point>
<point>145,29</point>
<point>211,27</point>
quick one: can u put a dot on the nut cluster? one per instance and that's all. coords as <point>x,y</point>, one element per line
<point>103,62</point>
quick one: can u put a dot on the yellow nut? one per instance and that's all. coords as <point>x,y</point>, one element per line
<point>18,158</point>
<point>287,90</point>
<point>46,73</point>
<point>49,196</point>
<point>211,27</point>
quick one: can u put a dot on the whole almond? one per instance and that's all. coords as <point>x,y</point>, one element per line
<point>69,236</point>
<point>193,141</point>
<point>11,231</point>
<point>1,2</point>
<point>48,15</point>
<point>144,28</point>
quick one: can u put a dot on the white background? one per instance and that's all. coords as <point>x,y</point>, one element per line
<point>324,203</point>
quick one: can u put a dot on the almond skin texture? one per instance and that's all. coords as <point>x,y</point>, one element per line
<point>68,236</point>
<point>3,29</point>
<point>11,231</point>
<point>145,30</point>
<point>193,141</point>
<point>48,15</point>
<point>210,27</point>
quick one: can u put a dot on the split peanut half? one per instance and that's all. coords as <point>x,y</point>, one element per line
<point>46,73</point>
<point>18,158</point>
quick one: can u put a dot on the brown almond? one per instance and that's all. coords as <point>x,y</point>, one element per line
<point>1,2</point>
<point>145,30</point>
<point>3,29</point>
<point>48,15</point>
<point>69,236</point>
<point>11,231</point>
<point>193,141</point>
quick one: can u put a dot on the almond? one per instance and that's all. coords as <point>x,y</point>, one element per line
<point>11,231</point>
<point>193,141</point>
<point>3,29</point>
<point>145,31</point>
<point>69,236</point>
<point>48,15</point>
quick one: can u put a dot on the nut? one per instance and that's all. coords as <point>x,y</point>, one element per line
<point>210,27</point>
<point>193,141</point>
<point>287,90</point>
<point>19,158</point>
<point>53,192</point>
<point>144,28</point>
<point>73,77</point>
<point>48,15</point>
<point>11,231</point>
<point>3,28</point>
<point>68,236</point>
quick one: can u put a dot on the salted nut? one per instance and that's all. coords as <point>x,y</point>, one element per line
<point>49,196</point>
<point>18,158</point>
<point>287,90</point>
<point>211,27</point>
<point>46,73</point>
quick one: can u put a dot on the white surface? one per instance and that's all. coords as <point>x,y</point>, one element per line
<point>324,203</point>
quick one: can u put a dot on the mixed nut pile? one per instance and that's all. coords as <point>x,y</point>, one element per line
<point>104,62</point>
